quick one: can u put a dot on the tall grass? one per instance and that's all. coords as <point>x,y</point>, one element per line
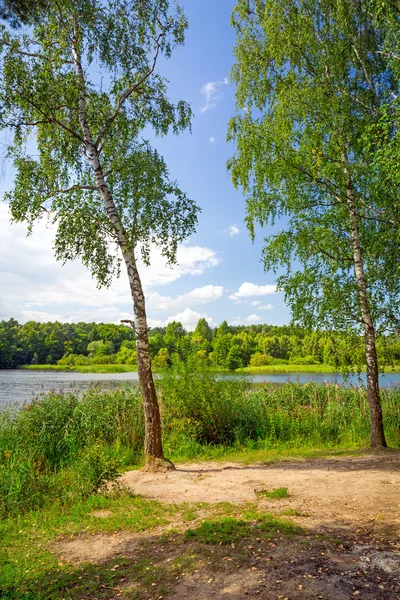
<point>63,446</point>
<point>202,408</point>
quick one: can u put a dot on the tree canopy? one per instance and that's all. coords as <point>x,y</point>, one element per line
<point>312,81</point>
<point>80,92</point>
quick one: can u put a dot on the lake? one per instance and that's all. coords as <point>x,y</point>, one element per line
<point>17,386</point>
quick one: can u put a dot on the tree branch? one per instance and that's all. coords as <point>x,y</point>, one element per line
<point>131,91</point>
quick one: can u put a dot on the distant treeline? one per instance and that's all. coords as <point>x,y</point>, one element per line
<point>227,347</point>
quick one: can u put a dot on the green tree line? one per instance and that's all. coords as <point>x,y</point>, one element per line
<point>225,347</point>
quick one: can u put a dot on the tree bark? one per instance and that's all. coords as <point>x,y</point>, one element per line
<point>155,460</point>
<point>154,455</point>
<point>377,434</point>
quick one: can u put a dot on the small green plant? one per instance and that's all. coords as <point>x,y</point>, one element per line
<point>276,493</point>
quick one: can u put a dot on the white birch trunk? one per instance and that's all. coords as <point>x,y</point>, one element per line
<point>153,438</point>
<point>377,434</point>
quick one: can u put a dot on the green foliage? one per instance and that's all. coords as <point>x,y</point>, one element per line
<point>86,84</point>
<point>96,468</point>
<point>39,343</point>
<point>21,12</point>
<point>313,80</point>
<point>161,360</point>
<point>260,360</point>
<point>69,345</point>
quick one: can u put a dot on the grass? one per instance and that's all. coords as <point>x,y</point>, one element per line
<point>225,531</point>
<point>275,494</point>
<point>84,368</point>
<point>29,568</point>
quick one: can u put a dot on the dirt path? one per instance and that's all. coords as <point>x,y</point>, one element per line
<point>348,547</point>
<point>333,492</point>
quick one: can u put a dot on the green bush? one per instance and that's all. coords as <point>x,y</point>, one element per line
<point>260,360</point>
<point>96,468</point>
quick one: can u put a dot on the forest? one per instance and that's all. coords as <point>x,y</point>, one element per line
<point>227,347</point>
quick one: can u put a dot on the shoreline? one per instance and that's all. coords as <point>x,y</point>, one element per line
<point>115,368</point>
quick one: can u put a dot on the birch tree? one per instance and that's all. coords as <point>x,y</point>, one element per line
<point>312,83</point>
<point>79,90</point>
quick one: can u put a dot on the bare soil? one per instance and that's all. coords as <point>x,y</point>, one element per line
<point>348,508</point>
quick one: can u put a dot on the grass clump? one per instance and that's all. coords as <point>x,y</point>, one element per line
<point>276,493</point>
<point>294,512</point>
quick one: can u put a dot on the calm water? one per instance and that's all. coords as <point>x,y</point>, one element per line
<point>20,386</point>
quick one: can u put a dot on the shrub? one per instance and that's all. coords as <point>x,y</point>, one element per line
<point>260,360</point>
<point>305,360</point>
<point>96,468</point>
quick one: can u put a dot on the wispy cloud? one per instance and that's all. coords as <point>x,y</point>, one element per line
<point>212,140</point>
<point>212,93</point>
<point>251,319</point>
<point>233,230</point>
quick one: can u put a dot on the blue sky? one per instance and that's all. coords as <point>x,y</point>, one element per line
<point>220,275</point>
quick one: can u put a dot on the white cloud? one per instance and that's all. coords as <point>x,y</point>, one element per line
<point>212,140</point>
<point>203,295</point>
<point>266,307</point>
<point>189,319</point>
<point>247,290</point>
<point>253,318</point>
<point>233,230</point>
<point>255,303</point>
<point>33,285</point>
<point>212,93</point>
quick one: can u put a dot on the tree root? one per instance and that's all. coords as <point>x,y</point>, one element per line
<point>157,465</point>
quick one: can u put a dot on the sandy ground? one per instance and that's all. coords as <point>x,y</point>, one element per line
<point>333,491</point>
<point>355,500</point>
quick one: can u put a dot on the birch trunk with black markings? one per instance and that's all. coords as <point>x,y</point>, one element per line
<point>154,455</point>
<point>377,434</point>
